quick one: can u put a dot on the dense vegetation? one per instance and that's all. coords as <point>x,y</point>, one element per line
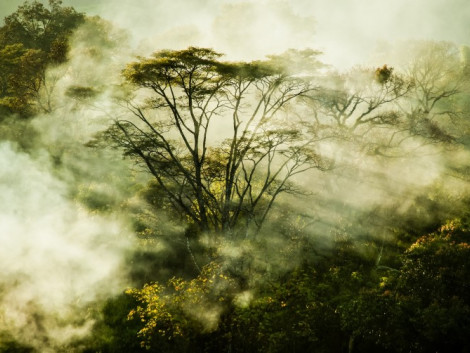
<point>290,199</point>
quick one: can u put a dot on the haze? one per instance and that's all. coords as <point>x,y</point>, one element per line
<point>348,32</point>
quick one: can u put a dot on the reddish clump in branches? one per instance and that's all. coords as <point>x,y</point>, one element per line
<point>383,74</point>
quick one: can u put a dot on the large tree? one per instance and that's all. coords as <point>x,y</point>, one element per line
<point>216,136</point>
<point>32,39</point>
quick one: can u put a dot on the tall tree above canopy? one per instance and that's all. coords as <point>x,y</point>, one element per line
<point>217,136</point>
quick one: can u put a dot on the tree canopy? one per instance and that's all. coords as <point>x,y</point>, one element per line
<point>31,39</point>
<point>218,176</point>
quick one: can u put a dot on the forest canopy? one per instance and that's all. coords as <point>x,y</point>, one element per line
<point>181,201</point>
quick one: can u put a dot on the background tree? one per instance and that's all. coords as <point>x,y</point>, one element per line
<point>32,39</point>
<point>439,74</point>
<point>358,107</point>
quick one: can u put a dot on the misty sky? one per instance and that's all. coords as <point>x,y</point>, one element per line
<point>348,31</point>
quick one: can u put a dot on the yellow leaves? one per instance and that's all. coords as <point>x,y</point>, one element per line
<point>384,281</point>
<point>464,246</point>
<point>355,275</point>
<point>417,244</point>
<point>181,305</point>
<point>447,234</point>
<point>450,226</point>
<point>131,314</point>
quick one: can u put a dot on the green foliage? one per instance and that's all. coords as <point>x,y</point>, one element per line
<point>33,38</point>
<point>81,93</point>
<point>182,308</point>
<point>435,279</point>
<point>422,307</point>
<point>9,345</point>
<point>342,300</point>
<point>292,314</point>
<point>231,185</point>
<point>112,332</point>
<point>39,27</point>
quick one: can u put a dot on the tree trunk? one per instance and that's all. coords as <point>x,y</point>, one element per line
<point>351,344</point>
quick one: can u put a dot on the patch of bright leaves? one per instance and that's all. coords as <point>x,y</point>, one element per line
<point>182,306</point>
